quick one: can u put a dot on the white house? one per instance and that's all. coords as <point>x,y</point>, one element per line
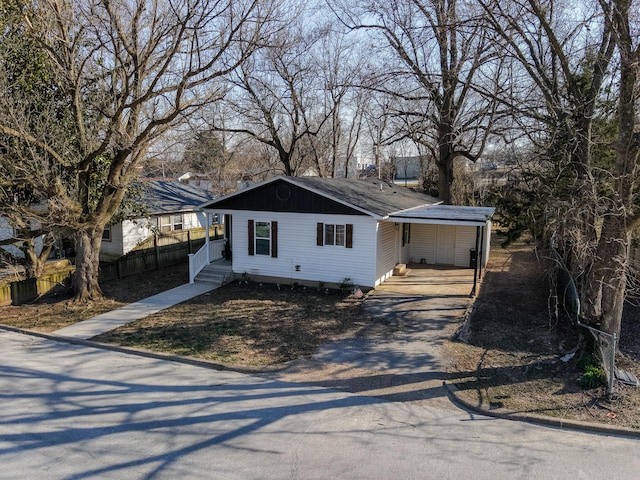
<point>170,206</point>
<point>7,232</point>
<point>311,229</point>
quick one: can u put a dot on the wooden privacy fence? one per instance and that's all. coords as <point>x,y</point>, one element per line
<point>157,252</point>
<point>165,250</point>
<point>24,291</point>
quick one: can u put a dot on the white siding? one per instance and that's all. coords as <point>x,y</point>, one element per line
<point>386,251</point>
<point>6,231</point>
<point>133,233</point>
<point>487,243</point>
<point>112,249</point>
<point>297,247</point>
<point>405,252</point>
<point>465,241</point>
<point>423,243</point>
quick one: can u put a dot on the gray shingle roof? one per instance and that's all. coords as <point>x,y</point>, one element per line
<point>162,196</point>
<point>372,195</point>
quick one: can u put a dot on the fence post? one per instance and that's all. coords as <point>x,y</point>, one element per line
<point>118,269</point>
<point>157,250</point>
<point>192,268</point>
<point>189,241</point>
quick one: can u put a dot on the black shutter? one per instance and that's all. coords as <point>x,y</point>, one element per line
<point>320,234</point>
<point>252,242</point>
<point>349,241</point>
<point>274,239</point>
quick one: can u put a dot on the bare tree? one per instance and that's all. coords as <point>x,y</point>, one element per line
<point>441,51</point>
<point>298,96</point>
<point>564,106</point>
<point>129,72</point>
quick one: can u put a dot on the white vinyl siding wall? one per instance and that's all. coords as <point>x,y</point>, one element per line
<point>423,243</point>
<point>465,241</point>
<point>487,243</point>
<point>297,246</point>
<point>386,252</point>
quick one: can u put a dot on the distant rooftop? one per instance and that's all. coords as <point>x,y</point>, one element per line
<point>162,196</point>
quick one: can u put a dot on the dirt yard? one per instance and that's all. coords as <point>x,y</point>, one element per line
<point>513,356</point>
<point>246,324</point>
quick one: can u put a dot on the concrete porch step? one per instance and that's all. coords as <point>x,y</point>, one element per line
<point>216,274</point>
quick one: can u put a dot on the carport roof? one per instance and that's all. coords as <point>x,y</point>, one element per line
<point>445,215</point>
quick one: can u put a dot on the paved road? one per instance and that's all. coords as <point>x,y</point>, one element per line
<point>69,411</point>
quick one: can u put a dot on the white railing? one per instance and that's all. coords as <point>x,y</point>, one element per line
<point>216,249</point>
<point>197,261</point>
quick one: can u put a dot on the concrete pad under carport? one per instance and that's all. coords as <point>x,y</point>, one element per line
<point>430,280</point>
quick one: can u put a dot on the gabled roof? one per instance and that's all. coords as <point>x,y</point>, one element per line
<point>372,195</point>
<point>163,197</point>
<point>364,196</point>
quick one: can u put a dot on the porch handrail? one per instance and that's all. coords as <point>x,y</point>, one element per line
<point>216,249</point>
<point>197,261</point>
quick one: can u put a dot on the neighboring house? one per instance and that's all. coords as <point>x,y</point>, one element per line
<point>311,230</point>
<point>7,232</point>
<point>170,206</point>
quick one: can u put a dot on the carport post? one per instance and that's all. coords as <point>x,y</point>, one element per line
<point>481,251</point>
<point>475,264</point>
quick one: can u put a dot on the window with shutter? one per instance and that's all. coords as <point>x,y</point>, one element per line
<point>263,238</point>
<point>334,235</point>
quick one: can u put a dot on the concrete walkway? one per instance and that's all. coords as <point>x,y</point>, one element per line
<point>134,311</point>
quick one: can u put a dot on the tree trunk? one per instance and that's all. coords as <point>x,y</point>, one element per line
<point>606,282</point>
<point>34,264</point>
<point>445,164</point>
<point>85,278</point>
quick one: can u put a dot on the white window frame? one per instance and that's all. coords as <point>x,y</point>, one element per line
<point>262,239</point>
<point>335,235</point>
<point>107,234</point>
<point>171,223</point>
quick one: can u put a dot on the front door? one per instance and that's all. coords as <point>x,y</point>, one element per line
<point>446,245</point>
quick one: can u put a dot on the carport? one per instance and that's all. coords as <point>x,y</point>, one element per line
<point>447,238</point>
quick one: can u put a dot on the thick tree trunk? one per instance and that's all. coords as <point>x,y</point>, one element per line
<point>85,278</point>
<point>34,263</point>
<point>445,163</point>
<point>606,281</point>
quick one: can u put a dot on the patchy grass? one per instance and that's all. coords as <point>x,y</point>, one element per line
<point>513,356</point>
<point>52,312</point>
<point>246,324</point>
